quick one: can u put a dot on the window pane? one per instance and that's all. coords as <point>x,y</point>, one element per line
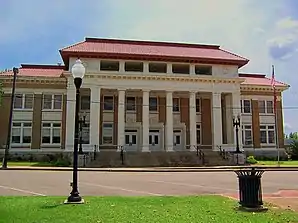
<point>156,139</point>
<point>17,124</point>
<point>263,136</point>
<point>152,104</point>
<point>46,124</point>
<point>158,67</point>
<point>27,124</point>
<point>134,66</point>
<point>109,65</point>
<point>18,101</point>
<point>47,101</point>
<point>56,135</point>
<point>247,137</point>
<point>130,103</point>
<point>85,102</point>
<point>246,106</point>
<point>57,101</point>
<point>134,139</point>
<point>198,137</point>
<point>176,104</point>
<point>180,68</point>
<point>262,106</point>
<point>271,137</point>
<point>108,103</point>
<point>150,139</point>
<point>26,135</point>
<point>56,124</point>
<point>28,101</point>
<point>269,106</point>
<point>107,125</point>
<point>86,134</point>
<point>198,105</point>
<point>16,135</point>
<point>46,135</point>
<point>177,140</point>
<point>203,70</point>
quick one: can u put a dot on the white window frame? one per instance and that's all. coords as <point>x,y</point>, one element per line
<point>267,128</point>
<point>107,135</point>
<point>52,102</point>
<point>247,128</point>
<point>266,107</point>
<point>103,106</point>
<point>199,127</point>
<point>22,127</point>
<point>51,127</point>
<point>157,102</point>
<point>23,96</point>
<point>243,107</point>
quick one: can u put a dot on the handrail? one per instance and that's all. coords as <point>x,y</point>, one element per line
<point>222,152</point>
<point>200,154</point>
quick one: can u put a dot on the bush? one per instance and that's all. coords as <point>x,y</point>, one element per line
<point>293,151</point>
<point>251,160</point>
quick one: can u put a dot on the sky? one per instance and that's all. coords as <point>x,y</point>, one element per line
<point>265,32</point>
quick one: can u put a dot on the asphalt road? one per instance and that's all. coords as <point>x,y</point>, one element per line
<point>46,183</point>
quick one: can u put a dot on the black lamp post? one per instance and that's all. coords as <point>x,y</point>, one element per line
<point>236,124</point>
<point>6,153</point>
<point>82,122</point>
<point>78,72</point>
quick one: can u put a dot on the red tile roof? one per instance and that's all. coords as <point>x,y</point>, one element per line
<point>150,49</point>
<point>29,70</point>
<point>259,79</point>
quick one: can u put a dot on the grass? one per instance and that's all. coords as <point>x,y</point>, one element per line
<point>282,163</point>
<point>209,209</point>
<point>28,164</point>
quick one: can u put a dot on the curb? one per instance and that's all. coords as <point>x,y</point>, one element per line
<point>156,169</point>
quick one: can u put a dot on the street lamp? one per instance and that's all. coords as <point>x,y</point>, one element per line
<point>6,153</point>
<point>78,72</point>
<point>236,123</point>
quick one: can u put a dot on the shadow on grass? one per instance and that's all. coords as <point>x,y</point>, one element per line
<point>51,206</point>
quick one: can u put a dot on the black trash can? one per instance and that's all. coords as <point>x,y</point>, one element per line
<point>250,189</point>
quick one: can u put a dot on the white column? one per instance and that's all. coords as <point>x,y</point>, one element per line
<point>229,118</point>
<point>145,126</point>
<point>121,118</point>
<point>216,120</point>
<point>94,115</point>
<point>121,66</point>
<point>70,118</point>
<point>169,121</point>
<point>169,68</point>
<point>146,67</point>
<point>192,121</point>
<point>192,69</point>
<point>236,99</point>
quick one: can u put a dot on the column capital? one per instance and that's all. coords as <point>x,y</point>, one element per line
<point>193,92</point>
<point>121,89</point>
<point>146,90</point>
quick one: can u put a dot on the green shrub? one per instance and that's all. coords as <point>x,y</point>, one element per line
<point>62,163</point>
<point>251,160</point>
<point>293,151</point>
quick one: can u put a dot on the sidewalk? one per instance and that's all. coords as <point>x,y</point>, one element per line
<point>156,169</point>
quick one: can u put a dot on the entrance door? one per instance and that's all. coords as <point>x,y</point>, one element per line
<point>131,140</point>
<point>154,140</point>
<point>177,141</point>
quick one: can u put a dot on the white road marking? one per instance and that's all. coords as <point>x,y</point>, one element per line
<point>23,191</point>
<point>123,189</point>
<point>193,185</point>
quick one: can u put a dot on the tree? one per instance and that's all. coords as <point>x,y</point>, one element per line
<point>293,135</point>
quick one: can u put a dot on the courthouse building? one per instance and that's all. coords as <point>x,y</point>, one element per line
<point>144,96</point>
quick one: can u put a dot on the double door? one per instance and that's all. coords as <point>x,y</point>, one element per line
<point>131,140</point>
<point>154,140</point>
<point>177,140</point>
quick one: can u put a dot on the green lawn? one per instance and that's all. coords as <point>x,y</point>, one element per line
<point>203,209</point>
<point>40,164</point>
<point>282,163</point>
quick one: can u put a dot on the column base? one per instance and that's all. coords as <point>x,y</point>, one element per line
<point>145,149</point>
<point>192,148</point>
<point>169,149</point>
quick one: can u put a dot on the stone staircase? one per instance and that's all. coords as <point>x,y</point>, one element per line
<point>112,158</point>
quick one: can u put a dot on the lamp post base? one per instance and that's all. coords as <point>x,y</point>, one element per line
<point>74,199</point>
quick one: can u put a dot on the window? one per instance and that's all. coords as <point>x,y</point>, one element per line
<point>198,134</point>
<point>130,103</point>
<point>108,103</point>
<point>52,101</point>
<point>134,66</point>
<point>153,104</point>
<point>266,107</point>
<point>107,133</point>
<point>85,133</point>
<point>267,134</point>
<point>158,67</point>
<point>21,133</point>
<point>198,105</point>
<point>247,135</point>
<point>269,107</point>
<point>51,133</point>
<point>176,107</point>
<point>180,68</point>
<point>246,106</point>
<point>85,102</point>
<point>109,65</point>
<point>203,70</point>
<point>23,101</point>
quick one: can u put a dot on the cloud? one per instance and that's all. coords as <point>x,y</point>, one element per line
<point>284,44</point>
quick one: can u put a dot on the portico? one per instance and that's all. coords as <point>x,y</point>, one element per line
<point>158,119</point>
